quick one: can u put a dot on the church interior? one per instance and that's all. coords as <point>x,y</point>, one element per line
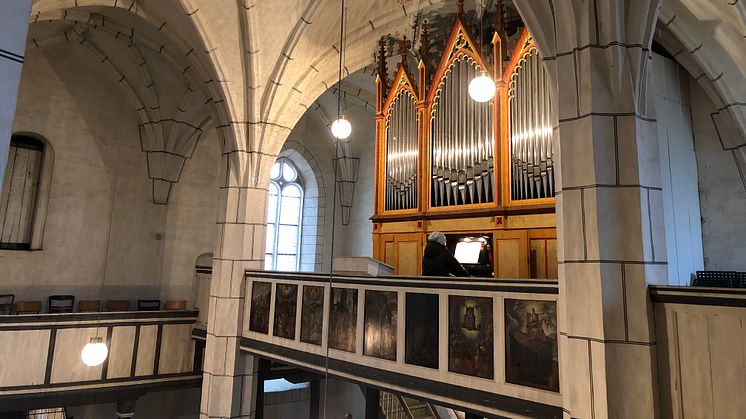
<point>229,209</point>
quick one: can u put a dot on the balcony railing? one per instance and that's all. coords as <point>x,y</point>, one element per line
<point>41,362</point>
<point>487,346</point>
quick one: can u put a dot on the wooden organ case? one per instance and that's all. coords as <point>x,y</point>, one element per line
<point>445,162</point>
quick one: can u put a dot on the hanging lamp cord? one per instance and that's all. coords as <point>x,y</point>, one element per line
<point>343,12</point>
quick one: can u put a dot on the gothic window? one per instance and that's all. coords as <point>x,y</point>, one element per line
<point>284,208</point>
<point>20,192</point>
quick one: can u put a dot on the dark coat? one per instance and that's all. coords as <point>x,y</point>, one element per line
<point>438,261</point>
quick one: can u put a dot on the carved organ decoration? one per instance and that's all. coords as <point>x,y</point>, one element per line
<point>530,129</point>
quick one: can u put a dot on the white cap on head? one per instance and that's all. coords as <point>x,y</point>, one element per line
<point>437,236</point>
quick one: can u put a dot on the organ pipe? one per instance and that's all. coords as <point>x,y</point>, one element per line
<point>462,141</point>
<point>530,130</point>
<point>401,153</point>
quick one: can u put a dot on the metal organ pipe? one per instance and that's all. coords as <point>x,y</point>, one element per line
<point>401,153</point>
<point>462,141</point>
<point>530,118</point>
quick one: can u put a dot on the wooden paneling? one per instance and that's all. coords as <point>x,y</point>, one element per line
<point>512,246</point>
<point>702,360</point>
<point>408,258</point>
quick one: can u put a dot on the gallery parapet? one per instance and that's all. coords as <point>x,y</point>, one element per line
<point>491,342</point>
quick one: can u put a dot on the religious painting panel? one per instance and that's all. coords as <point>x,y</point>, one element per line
<point>471,336</point>
<point>421,330</point>
<point>343,319</point>
<point>531,344</point>
<point>286,302</point>
<point>261,293</point>
<point>381,313</point>
<point>312,314</point>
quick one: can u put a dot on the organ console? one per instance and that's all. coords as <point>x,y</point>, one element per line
<point>447,162</point>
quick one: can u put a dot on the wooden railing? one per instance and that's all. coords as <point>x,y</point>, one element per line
<point>486,346</point>
<point>701,335</point>
<point>41,361</point>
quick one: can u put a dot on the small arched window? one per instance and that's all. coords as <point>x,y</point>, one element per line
<point>284,215</point>
<point>20,192</point>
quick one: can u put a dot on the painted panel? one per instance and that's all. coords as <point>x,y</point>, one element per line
<point>380,324</point>
<point>146,350</point>
<point>531,357</point>
<point>471,336</point>
<point>422,326</point>
<point>67,365</point>
<point>312,314</point>
<point>343,319</point>
<point>261,293</point>
<point>120,351</point>
<point>286,303</point>
<point>24,367</point>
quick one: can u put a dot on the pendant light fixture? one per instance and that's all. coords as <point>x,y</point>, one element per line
<point>341,128</point>
<point>482,88</point>
<point>94,352</point>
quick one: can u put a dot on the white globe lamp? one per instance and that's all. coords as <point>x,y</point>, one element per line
<point>341,128</point>
<point>94,352</point>
<point>482,88</point>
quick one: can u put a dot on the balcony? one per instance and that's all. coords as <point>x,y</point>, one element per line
<point>42,367</point>
<point>486,346</point>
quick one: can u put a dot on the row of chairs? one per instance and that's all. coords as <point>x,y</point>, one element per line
<point>66,304</point>
<point>720,279</point>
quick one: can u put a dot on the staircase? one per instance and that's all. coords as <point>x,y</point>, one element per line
<point>395,406</point>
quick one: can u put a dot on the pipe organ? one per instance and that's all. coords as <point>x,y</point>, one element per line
<point>530,127</point>
<point>401,153</point>
<point>469,169</point>
<point>462,140</point>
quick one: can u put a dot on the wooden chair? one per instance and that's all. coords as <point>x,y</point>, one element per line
<point>148,305</point>
<point>176,305</point>
<point>28,307</point>
<point>89,306</point>
<point>118,305</point>
<point>6,303</point>
<point>60,304</point>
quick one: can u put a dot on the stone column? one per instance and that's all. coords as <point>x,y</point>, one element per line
<point>229,383</point>
<point>126,409</point>
<point>13,28</point>
<point>611,242</point>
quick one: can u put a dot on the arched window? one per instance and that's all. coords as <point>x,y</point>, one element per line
<point>20,192</point>
<point>284,214</point>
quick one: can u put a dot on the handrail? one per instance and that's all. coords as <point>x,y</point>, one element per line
<point>404,405</point>
<point>730,297</point>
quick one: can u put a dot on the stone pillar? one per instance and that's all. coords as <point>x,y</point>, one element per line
<point>13,28</point>
<point>372,403</point>
<point>229,383</point>
<point>126,409</point>
<point>611,242</point>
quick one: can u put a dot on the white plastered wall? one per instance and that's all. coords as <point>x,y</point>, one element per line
<point>101,223</point>
<point>722,197</point>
